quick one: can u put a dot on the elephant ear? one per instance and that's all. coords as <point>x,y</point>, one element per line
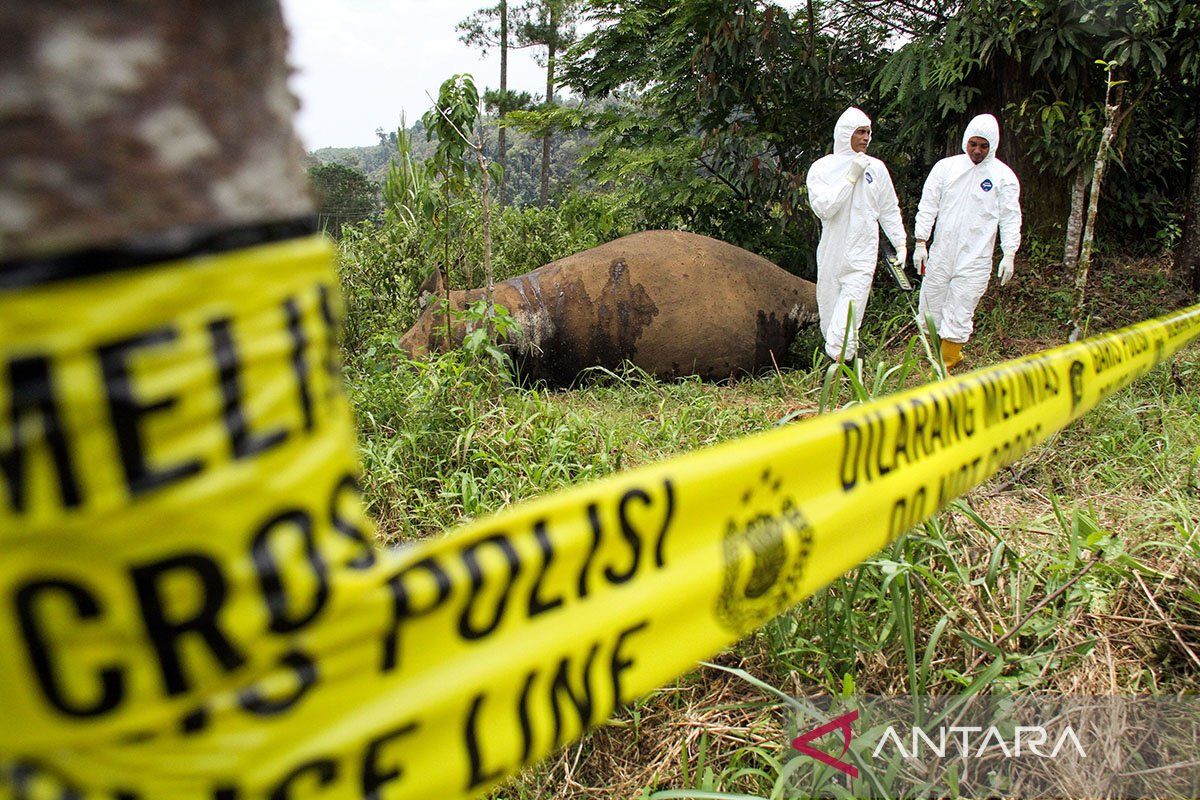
<point>432,286</point>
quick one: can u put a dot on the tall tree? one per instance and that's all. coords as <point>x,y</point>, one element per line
<point>549,24</point>
<point>487,28</point>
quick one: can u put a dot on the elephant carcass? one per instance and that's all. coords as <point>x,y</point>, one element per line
<point>672,303</point>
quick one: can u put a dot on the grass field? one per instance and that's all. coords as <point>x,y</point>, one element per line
<point>1073,571</point>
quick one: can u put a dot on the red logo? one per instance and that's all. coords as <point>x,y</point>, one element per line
<point>843,722</point>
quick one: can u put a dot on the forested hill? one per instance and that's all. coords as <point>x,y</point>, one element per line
<point>524,158</point>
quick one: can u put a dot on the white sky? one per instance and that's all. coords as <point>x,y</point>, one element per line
<point>359,63</point>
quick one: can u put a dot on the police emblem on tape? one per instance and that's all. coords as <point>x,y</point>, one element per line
<point>1076,374</point>
<point>765,549</point>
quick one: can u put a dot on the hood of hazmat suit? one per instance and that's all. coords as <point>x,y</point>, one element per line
<point>851,213</point>
<point>969,203</point>
<point>985,126</point>
<point>851,120</point>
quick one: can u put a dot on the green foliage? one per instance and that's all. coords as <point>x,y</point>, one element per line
<point>419,422</point>
<point>409,198</point>
<point>476,342</point>
<point>699,113</point>
<point>452,122</point>
<point>501,103</point>
<point>526,238</point>
<point>454,164</point>
<point>692,108</point>
<point>1035,61</point>
<point>569,145</point>
<point>380,269</point>
<point>1143,197</point>
<point>343,195</point>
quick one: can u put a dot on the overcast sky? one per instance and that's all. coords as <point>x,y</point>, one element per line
<point>359,63</point>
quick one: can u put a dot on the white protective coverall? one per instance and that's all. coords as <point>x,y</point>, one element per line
<point>851,214</point>
<point>969,202</point>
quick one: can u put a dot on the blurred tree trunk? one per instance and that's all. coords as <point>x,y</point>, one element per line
<point>195,134</point>
<point>1187,256</point>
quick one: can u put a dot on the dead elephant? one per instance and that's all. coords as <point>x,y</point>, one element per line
<point>671,303</point>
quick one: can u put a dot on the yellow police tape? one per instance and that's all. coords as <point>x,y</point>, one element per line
<point>190,606</point>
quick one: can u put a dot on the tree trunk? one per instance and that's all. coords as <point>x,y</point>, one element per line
<point>1112,115</point>
<point>503,108</point>
<point>1187,256</point>
<point>194,132</point>
<point>1003,80</point>
<point>551,47</point>
<point>1075,220</point>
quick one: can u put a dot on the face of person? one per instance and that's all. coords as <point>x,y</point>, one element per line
<point>978,148</point>
<point>860,139</point>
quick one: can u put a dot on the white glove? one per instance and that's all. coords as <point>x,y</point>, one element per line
<point>857,167</point>
<point>902,255</point>
<point>1005,272</point>
<point>920,256</point>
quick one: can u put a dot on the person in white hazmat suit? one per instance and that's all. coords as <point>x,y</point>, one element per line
<point>853,196</point>
<point>969,196</point>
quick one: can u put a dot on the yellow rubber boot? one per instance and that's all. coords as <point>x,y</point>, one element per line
<point>951,353</point>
